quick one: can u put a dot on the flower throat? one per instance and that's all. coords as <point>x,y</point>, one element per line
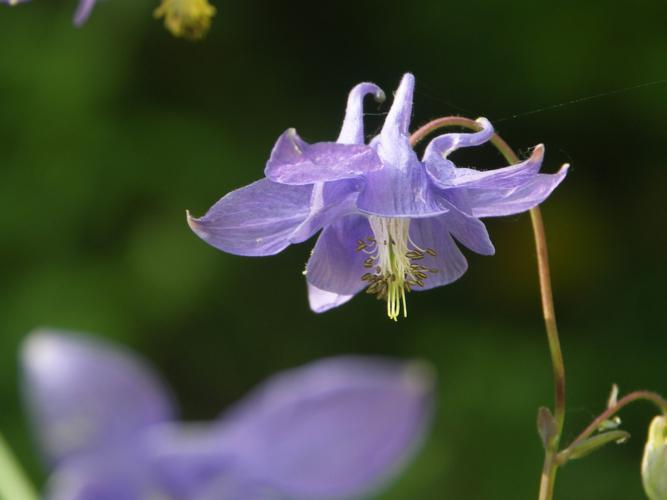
<point>395,259</point>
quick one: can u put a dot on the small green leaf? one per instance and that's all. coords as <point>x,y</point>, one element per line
<point>546,426</point>
<point>593,443</point>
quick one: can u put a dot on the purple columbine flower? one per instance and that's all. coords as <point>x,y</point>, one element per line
<point>83,11</point>
<point>389,221</point>
<point>80,16</point>
<point>334,429</point>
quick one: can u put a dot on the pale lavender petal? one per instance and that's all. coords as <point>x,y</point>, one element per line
<point>336,428</point>
<point>83,394</point>
<point>230,487</point>
<point>321,300</point>
<point>352,131</point>
<point>335,265</point>
<point>255,220</point>
<point>456,199</point>
<point>508,177</point>
<point>11,3</point>
<point>294,161</point>
<point>401,188</point>
<point>398,119</point>
<point>168,461</point>
<point>186,458</point>
<point>195,462</point>
<point>469,231</point>
<point>445,144</point>
<point>114,474</point>
<point>449,263</point>
<point>83,11</point>
<point>329,201</point>
<point>530,192</point>
<point>439,148</point>
<point>400,193</point>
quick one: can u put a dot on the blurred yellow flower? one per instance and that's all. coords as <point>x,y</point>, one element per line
<point>189,19</point>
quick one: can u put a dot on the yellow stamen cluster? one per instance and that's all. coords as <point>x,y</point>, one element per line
<point>395,258</point>
<point>189,19</point>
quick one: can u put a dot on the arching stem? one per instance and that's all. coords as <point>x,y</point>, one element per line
<point>550,466</point>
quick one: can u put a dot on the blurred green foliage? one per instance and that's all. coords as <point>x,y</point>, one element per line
<point>108,133</point>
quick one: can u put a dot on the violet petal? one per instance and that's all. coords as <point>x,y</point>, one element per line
<point>186,458</point>
<point>321,301</point>
<point>508,177</point>
<point>395,193</point>
<point>329,201</point>
<point>335,428</point>
<point>401,188</point>
<point>83,394</point>
<point>398,119</point>
<point>335,264</point>
<point>294,161</point>
<point>469,231</point>
<point>255,220</point>
<point>352,131</point>
<point>114,474</point>
<point>448,262</point>
<point>83,11</point>
<point>445,144</point>
<point>524,195</point>
<point>440,147</point>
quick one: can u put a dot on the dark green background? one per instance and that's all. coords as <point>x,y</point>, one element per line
<point>108,133</point>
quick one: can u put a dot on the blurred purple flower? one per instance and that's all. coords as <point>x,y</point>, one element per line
<point>83,11</point>
<point>80,16</point>
<point>388,220</point>
<point>334,429</point>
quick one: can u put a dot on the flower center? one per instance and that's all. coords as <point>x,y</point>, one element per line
<point>186,18</point>
<point>395,259</point>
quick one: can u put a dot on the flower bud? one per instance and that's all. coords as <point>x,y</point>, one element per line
<point>654,464</point>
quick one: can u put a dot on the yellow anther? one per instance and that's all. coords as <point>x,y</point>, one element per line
<point>189,19</point>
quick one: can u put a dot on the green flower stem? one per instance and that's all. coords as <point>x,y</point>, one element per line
<point>14,484</point>
<point>652,397</point>
<point>551,453</point>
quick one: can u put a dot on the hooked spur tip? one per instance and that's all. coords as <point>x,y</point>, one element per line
<point>379,95</point>
<point>408,78</point>
<point>484,123</point>
<point>192,221</point>
<point>196,225</point>
<point>537,154</point>
<point>294,140</point>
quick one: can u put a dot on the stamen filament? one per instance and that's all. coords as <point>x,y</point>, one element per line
<point>393,259</point>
